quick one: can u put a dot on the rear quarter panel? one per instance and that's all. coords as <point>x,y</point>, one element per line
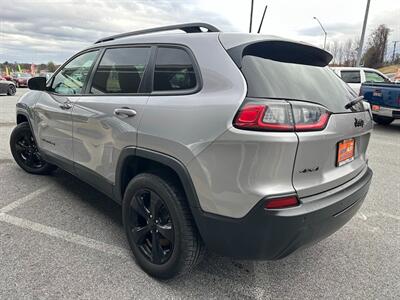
<point>184,125</point>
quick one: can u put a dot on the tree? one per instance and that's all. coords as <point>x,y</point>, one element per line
<point>375,54</point>
<point>51,67</point>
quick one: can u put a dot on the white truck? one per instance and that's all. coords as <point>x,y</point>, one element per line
<point>355,76</point>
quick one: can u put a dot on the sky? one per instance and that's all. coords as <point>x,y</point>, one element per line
<point>38,31</point>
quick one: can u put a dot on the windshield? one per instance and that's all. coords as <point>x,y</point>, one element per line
<point>267,78</point>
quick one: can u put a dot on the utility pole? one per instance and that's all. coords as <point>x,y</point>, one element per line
<point>323,29</point>
<point>360,46</point>
<point>251,15</point>
<point>394,49</point>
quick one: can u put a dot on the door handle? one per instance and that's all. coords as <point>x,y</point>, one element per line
<point>125,111</point>
<point>66,105</point>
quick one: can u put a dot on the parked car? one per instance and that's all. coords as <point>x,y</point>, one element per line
<point>46,75</point>
<point>7,87</point>
<point>7,77</point>
<point>384,99</point>
<point>205,139</point>
<point>21,79</point>
<point>356,76</point>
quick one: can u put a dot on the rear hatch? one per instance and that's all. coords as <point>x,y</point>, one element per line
<point>332,139</point>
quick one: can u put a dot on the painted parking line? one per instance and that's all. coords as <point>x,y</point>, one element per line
<point>23,200</point>
<point>66,236</point>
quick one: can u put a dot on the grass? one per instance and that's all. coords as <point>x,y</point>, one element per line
<point>389,69</point>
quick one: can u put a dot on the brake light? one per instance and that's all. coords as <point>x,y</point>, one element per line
<point>280,115</point>
<point>284,202</point>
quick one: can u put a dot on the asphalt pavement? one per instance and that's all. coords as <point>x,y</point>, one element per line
<point>60,238</point>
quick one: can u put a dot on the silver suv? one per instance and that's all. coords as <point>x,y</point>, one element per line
<point>248,145</point>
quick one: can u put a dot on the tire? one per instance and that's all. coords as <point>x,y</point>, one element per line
<point>183,249</point>
<point>382,120</point>
<point>11,90</point>
<point>25,152</point>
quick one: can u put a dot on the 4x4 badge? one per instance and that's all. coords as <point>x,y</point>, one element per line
<point>358,122</point>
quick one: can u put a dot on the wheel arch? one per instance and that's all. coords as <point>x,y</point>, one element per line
<point>133,161</point>
<point>22,117</point>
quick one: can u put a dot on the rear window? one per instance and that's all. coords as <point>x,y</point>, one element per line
<point>351,76</point>
<point>268,78</point>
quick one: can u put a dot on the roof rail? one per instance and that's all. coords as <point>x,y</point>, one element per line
<point>187,27</point>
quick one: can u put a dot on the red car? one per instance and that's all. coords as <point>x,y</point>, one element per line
<point>21,79</point>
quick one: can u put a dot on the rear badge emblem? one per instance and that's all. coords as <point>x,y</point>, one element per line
<point>358,122</point>
<point>309,170</point>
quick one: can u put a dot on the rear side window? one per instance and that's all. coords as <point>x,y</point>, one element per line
<point>267,78</point>
<point>120,71</point>
<point>173,70</point>
<point>351,76</point>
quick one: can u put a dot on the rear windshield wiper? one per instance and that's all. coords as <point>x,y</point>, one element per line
<point>353,102</point>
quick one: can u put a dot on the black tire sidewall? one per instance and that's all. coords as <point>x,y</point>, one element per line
<point>176,262</point>
<point>11,90</point>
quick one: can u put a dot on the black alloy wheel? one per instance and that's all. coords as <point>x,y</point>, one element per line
<point>160,227</point>
<point>151,226</point>
<point>25,151</point>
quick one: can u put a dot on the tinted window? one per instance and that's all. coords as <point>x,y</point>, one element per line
<point>267,78</point>
<point>173,70</point>
<point>351,76</point>
<point>373,77</point>
<point>71,79</point>
<point>120,71</point>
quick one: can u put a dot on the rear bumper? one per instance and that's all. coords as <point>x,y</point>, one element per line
<point>275,234</point>
<point>387,112</point>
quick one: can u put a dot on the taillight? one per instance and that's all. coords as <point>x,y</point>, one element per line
<point>284,202</point>
<point>280,115</point>
<point>309,117</point>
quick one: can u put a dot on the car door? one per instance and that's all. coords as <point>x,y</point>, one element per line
<point>106,119</point>
<point>54,107</point>
<point>352,78</point>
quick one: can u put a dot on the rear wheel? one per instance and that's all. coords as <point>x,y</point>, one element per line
<point>25,151</point>
<point>11,90</point>
<point>159,227</point>
<point>382,120</point>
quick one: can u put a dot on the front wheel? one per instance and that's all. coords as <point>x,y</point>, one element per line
<point>25,151</point>
<point>382,120</point>
<point>160,228</point>
<point>11,90</point>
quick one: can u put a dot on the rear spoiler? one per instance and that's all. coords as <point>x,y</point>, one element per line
<point>283,51</point>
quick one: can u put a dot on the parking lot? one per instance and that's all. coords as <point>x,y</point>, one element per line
<point>59,238</point>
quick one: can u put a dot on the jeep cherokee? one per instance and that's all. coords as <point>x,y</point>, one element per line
<point>248,145</point>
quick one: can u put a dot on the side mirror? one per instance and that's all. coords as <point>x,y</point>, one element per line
<point>37,83</point>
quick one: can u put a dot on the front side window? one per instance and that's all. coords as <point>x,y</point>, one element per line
<point>72,77</point>
<point>351,76</point>
<point>373,77</point>
<point>173,70</point>
<point>120,71</point>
